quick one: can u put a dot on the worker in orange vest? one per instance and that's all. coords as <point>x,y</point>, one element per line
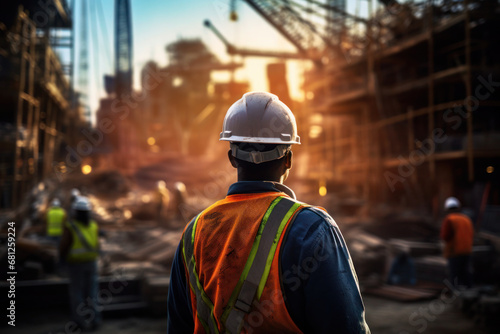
<point>457,232</point>
<point>259,261</point>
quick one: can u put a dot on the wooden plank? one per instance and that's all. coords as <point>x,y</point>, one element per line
<point>400,293</point>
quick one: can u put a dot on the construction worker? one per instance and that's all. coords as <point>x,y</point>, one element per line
<point>75,193</point>
<point>259,261</point>
<point>402,271</point>
<point>56,216</point>
<point>79,247</point>
<point>457,232</point>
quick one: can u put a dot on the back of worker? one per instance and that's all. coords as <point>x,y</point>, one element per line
<point>306,281</point>
<point>225,234</point>
<point>458,232</point>
<point>83,234</point>
<point>79,247</point>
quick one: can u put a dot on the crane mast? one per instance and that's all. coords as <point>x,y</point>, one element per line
<point>123,47</point>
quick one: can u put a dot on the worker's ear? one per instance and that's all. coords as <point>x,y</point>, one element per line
<point>286,165</point>
<point>233,161</point>
<point>288,160</point>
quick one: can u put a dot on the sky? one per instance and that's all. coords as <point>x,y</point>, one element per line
<point>157,23</point>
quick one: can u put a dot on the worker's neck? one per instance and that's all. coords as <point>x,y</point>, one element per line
<point>242,176</point>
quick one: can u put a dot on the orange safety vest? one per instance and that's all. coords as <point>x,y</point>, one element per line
<point>231,255</point>
<point>458,232</point>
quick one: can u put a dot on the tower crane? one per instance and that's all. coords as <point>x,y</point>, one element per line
<point>123,47</point>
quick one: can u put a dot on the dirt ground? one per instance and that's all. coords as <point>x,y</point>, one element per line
<point>383,317</point>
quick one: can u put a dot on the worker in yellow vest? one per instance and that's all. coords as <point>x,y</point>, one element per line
<point>56,216</point>
<point>80,248</point>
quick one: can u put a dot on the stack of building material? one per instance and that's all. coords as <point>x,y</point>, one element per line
<point>155,293</point>
<point>367,252</point>
<point>431,269</point>
<point>160,250</point>
<point>400,293</point>
<point>415,248</point>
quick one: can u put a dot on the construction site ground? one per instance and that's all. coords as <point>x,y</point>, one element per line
<point>383,316</point>
<point>143,243</point>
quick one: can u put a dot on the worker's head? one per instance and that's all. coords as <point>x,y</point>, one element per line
<point>56,202</point>
<point>261,130</point>
<point>75,193</point>
<point>81,209</point>
<point>452,204</point>
<point>402,252</point>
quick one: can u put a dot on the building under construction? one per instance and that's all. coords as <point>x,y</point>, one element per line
<point>176,109</point>
<point>407,114</point>
<point>38,116</point>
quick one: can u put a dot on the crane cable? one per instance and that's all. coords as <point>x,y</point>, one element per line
<point>95,47</point>
<point>105,33</point>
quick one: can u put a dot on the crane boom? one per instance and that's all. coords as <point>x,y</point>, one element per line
<point>301,32</point>
<point>233,50</point>
<point>295,31</point>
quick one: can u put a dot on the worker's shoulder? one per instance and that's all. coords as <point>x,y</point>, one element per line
<point>311,228</point>
<point>314,215</point>
<point>458,216</point>
<point>312,221</point>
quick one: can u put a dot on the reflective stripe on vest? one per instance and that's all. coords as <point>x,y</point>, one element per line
<point>55,218</point>
<point>255,272</point>
<point>204,306</point>
<point>78,252</point>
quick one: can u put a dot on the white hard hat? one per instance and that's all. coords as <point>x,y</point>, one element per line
<point>180,186</point>
<point>260,118</point>
<point>75,192</point>
<point>56,202</point>
<point>451,202</point>
<point>82,203</point>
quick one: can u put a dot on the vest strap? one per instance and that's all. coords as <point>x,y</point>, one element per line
<point>253,280</point>
<point>254,283</point>
<point>81,237</point>
<point>204,306</point>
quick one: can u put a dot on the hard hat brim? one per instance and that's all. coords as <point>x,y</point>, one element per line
<point>259,140</point>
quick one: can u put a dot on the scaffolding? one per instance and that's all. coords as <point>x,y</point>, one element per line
<point>394,118</point>
<point>38,118</point>
<point>28,112</point>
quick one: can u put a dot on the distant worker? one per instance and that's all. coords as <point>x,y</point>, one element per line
<point>80,247</point>
<point>180,199</point>
<point>75,193</point>
<point>458,233</point>
<point>259,261</point>
<point>402,270</point>
<point>163,198</point>
<point>55,219</point>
